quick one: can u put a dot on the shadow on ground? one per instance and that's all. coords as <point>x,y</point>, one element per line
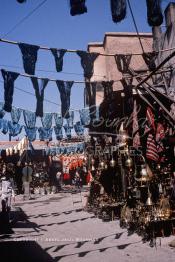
<point>21,251</point>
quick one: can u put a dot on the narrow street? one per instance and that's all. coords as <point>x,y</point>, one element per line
<point>52,228</point>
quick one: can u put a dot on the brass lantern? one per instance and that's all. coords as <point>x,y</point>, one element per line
<point>112,163</point>
<point>92,161</point>
<point>149,201</point>
<point>102,165</point>
<point>129,162</point>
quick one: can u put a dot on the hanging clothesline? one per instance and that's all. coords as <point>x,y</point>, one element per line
<point>46,100</point>
<point>84,82</point>
<point>74,51</point>
<point>49,71</point>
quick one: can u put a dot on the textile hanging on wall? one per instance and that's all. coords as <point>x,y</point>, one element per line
<point>85,116</point>
<point>46,120</point>
<point>31,133</point>
<point>67,131</point>
<point>123,62</point>
<point>58,120</point>
<point>58,56</point>
<point>65,91</point>
<point>151,148</point>
<point>79,129</point>
<point>2,112</point>
<point>4,126</point>
<point>78,7</point>
<point>9,79</point>
<point>87,62</point>
<point>29,118</point>
<point>91,94</point>
<point>154,12</point>
<point>29,56</point>
<point>70,120</point>
<point>14,129</point>
<point>39,85</point>
<point>58,132</point>
<point>118,10</point>
<point>15,115</point>
<point>45,134</point>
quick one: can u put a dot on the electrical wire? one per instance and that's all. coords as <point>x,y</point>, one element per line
<point>74,51</point>
<point>25,18</point>
<point>68,50</point>
<point>136,28</point>
<point>49,71</point>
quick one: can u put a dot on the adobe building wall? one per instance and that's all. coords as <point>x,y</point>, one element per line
<point>105,67</point>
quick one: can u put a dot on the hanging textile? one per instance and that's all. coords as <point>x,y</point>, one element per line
<point>39,85</point>
<point>9,79</point>
<point>46,120</point>
<point>79,129</point>
<point>58,56</point>
<point>87,62</point>
<point>85,116</point>
<point>65,91</point>
<point>150,59</point>
<point>58,132</point>
<point>97,116</point>
<point>70,120</point>
<point>123,62</point>
<point>118,10</point>
<point>150,121</point>
<point>29,118</point>
<point>21,1</point>
<point>135,127</point>
<point>151,149</point>
<point>154,12</point>
<point>67,131</point>
<point>15,115</point>
<point>160,135</point>
<point>128,98</point>
<point>14,129</point>
<point>4,126</point>
<point>58,120</point>
<point>29,56</point>
<point>2,112</point>
<point>31,133</point>
<point>80,147</point>
<point>78,7</point>
<point>91,96</point>
<point>45,134</point>
<point>108,89</point>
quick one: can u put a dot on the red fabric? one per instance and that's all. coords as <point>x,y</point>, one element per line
<point>151,151</point>
<point>88,177</point>
<point>150,120</point>
<point>66,176</point>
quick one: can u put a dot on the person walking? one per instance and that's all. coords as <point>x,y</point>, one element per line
<point>27,179</point>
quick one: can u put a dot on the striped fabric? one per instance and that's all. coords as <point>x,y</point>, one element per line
<point>152,152</point>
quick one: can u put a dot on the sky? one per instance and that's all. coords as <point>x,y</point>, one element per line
<point>53,26</point>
